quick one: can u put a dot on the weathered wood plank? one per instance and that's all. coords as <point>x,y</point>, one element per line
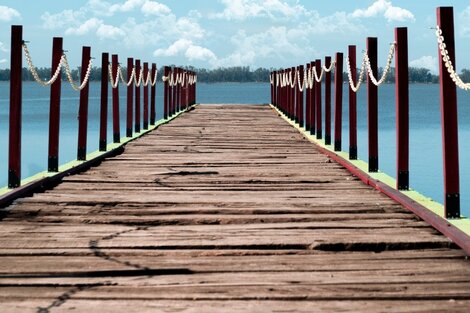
<point>227,208</point>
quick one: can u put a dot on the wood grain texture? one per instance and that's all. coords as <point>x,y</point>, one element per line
<point>225,209</point>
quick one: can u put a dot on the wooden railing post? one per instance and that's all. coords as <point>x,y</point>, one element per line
<point>130,98</point>
<point>449,117</point>
<point>352,105</point>
<point>153,94</point>
<point>313,107</point>
<point>295,98</point>
<point>137,97</point>
<point>402,107</point>
<point>372,107</point>
<point>104,101</point>
<point>338,100</point>
<point>318,101</point>
<point>83,109</point>
<point>14,148</point>
<point>115,94</point>
<point>166,93</point>
<point>327,102</point>
<point>146,96</point>
<point>54,109</point>
<point>300,95</point>
<point>171,103</point>
<point>178,92</point>
<point>308,104</point>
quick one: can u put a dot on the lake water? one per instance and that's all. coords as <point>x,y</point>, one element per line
<point>425,131</point>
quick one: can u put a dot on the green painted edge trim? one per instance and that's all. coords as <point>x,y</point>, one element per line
<point>462,224</point>
<point>92,155</point>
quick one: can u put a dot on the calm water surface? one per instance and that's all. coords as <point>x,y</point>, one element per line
<point>425,131</point>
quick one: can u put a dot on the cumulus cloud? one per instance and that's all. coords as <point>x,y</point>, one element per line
<point>154,8</point>
<point>61,19</point>
<point>3,61</point>
<point>109,32</point>
<point>188,49</point>
<point>7,14</point>
<point>3,48</point>
<point>385,8</point>
<point>243,9</point>
<point>85,28</point>
<point>464,22</point>
<point>427,61</point>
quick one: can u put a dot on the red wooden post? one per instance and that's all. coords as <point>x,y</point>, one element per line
<point>352,105</point>
<point>14,151</point>
<point>318,100</point>
<point>295,97</point>
<point>153,93</point>
<point>372,107</point>
<point>449,120</point>
<point>292,95</point>
<point>166,92</point>
<point>300,95</point>
<point>402,104</point>
<point>195,89</point>
<point>104,101</point>
<point>137,97</point>
<point>115,93</point>
<point>338,100</point>
<point>313,110</point>
<point>327,102</point>
<point>307,102</point>
<point>54,109</point>
<point>83,110</point>
<point>130,96</point>
<point>288,94</point>
<point>171,103</point>
<point>178,91</point>
<point>146,96</point>
<point>276,89</point>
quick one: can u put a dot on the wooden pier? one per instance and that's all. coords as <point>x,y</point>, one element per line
<point>225,209</point>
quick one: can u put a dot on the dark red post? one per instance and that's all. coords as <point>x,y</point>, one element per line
<point>402,107</point>
<point>352,105</point>
<point>14,151</point>
<point>83,109</point>
<point>307,101</point>
<point>104,101</point>
<point>146,96</point>
<point>276,90</point>
<point>166,93</point>
<point>372,107</point>
<point>116,126</point>
<point>288,93</point>
<point>318,100</point>
<point>153,94</point>
<point>130,96</point>
<point>327,102</point>
<point>292,95</point>
<point>300,95</point>
<point>295,97</point>
<point>171,89</point>
<point>54,109</point>
<point>178,91</point>
<point>449,120</point>
<point>313,110</point>
<point>137,97</point>
<point>338,100</point>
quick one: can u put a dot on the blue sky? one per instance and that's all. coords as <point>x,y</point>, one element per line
<point>213,33</point>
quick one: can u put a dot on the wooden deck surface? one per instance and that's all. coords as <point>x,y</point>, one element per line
<point>225,209</point>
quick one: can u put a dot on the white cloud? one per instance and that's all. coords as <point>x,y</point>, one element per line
<point>189,28</point>
<point>390,12</point>
<point>199,53</point>
<point>464,22</point>
<point>243,9</point>
<point>3,61</point>
<point>85,28</point>
<point>154,8</point>
<point>188,49</point>
<point>427,61</point>
<point>62,19</point>
<point>7,14</point>
<point>109,32</point>
<point>3,48</point>
<point>126,6</point>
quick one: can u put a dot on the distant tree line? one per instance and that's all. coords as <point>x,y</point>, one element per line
<point>238,74</point>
